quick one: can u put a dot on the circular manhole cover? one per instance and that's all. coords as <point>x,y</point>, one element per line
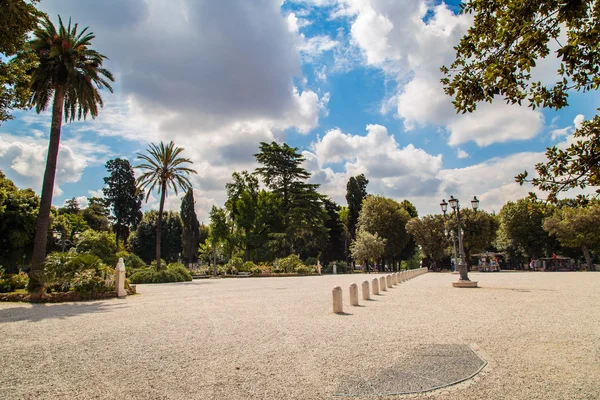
<point>424,368</point>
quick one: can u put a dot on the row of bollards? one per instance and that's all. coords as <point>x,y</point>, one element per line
<point>378,285</point>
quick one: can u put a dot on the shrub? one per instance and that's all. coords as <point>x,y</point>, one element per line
<point>310,261</point>
<point>100,244</point>
<point>19,281</point>
<point>174,272</point>
<point>303,270</point>
<point>84,273</point>
<point>248,266</point>
<point>131,260</point>
<point>163,265</point>
<point>341,267</point>
<point>234,265</point>
<point>88,281</point>
<point>182,271</point>
<point>288,264</point>
<point>5,282</point>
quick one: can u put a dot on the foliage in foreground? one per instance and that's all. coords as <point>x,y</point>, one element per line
<point>12,282</point>
<point>495,58</point>
<point>83,273</point>
<point>175,272</point>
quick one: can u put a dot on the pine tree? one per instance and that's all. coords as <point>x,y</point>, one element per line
<point>191,227</point>
<point>122,196</point>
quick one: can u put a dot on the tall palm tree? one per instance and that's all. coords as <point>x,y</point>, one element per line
<point>163,168</point>
<point>69,74</point>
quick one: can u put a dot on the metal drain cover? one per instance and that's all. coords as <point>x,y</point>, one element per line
<point>423,368</point>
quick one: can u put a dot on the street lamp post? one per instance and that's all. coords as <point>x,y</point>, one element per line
<point>61,241</point>
<point>462,265</point>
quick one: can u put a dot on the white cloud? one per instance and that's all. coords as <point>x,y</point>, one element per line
<point>495,123</point>
<point>24,158</point>
<point>410,40</point>
<point>462,154</point>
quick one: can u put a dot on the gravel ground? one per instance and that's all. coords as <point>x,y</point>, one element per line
<point>276,338</point>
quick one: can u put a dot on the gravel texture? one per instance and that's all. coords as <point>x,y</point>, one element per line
<point>277,338</point>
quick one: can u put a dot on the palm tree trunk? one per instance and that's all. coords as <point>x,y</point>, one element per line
<point>41,228</point>
<point>588,259</point>
<point>163,193</point>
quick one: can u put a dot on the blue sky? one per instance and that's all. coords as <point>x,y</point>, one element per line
<point>354,84</point>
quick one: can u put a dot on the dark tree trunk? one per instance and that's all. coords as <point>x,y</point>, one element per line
<point>41,228</point>
<point>588,259</point>
<point>163,193</point>
<point>117,232</point>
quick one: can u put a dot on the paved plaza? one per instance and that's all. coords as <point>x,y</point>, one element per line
<point>277,338</point>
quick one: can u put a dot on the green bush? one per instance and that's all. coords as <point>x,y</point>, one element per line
<point>100,244</point>
<point>248,266</point>
<point>174,272</point>
<point>12,282</point>
<point>163,265</point>
<point>131,260</point>
<point>88,281</point>
<point>19,281</point>
<point>181,270</point>
<point>84,273</point>
<point>235,265</point>
<point>310,261</point>
<point>303,270</point>
<point>341,267</point>
<point>288,264</point>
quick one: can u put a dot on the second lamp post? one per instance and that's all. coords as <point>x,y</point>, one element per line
<point>455,205</point>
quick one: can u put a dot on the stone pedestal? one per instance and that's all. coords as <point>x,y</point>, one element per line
<point>365,290</point>
<point>382,284</point>
<point>338,306</point>
<point>120,283</point>
<point>354,294</point>
<point>375,286</point>
<point>464,284</point>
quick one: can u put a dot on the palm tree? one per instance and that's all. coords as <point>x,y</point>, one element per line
<point>69,73</point>
<point>163,168</point>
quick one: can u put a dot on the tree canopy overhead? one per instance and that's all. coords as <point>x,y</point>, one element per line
<point>18,18</point>
<point>496,57</point>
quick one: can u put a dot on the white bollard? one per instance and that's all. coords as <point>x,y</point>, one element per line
<point>365,290</point>
<point>388,281</point>
<point>338,306</point>
<point>354,294</point>
<point>382,284</point>
<point>334,269</point>
<point>394,279</point>
<point>375,285</point>
<point>120,272</point>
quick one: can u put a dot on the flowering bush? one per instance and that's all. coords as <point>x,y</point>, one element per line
<point>88,281</point>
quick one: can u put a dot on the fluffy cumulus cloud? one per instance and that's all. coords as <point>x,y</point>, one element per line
<point>410,40</point>
<point>24,158</point>
<point>406,172</point>
<point>215,77</point>
<point>393,170</point>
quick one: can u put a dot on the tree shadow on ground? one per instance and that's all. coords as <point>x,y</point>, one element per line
<point>40,312</point>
